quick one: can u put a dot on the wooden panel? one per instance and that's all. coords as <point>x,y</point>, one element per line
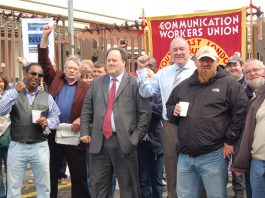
<point>86,49</point>
<point>7,70</point>
<point>259,45</point>
<point>101,54</point>
<point>132,57</point>
<point>64,45</point>
<point>1,48</point>
<point>111,42</point>
<point>19,44</point>
<point>59,48</point>
<point>13,64</point>
<point>76,45</point>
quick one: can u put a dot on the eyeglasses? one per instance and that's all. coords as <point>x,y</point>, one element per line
<point>254,70</point>
<point>73,68</point>
<point>36,74</point>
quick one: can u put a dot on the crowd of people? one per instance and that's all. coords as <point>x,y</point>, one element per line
<point>191,118</point>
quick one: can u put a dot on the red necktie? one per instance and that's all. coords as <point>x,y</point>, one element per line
<point>107,128</point>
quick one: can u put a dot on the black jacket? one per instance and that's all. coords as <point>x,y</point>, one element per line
<point>216,113</point>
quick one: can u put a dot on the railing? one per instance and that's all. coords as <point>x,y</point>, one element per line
<point>92,46</point>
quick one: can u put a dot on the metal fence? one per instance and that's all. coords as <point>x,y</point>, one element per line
<point>93,47</point>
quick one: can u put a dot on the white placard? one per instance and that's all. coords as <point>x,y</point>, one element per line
<point>4,123</point>
<point>32,32</point>
<point>64,135</point>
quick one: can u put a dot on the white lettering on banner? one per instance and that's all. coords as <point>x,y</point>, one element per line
<point>211,26</point>
<point>181,33</point>
<point>199,22</point>
<point>222,31</point>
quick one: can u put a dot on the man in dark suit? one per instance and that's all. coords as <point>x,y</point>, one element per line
<point>127,114</point>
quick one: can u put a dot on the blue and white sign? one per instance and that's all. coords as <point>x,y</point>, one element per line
<point>32,32</point>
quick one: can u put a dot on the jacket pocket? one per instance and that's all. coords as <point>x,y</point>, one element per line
<point>132,128</point>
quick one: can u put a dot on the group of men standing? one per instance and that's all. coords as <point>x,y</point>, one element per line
<point>113,115</point>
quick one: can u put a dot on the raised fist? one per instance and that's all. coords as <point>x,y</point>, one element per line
<point>20,86</point>
<point>143,61</point>
<point>21,61</point>
<point>47,29</point>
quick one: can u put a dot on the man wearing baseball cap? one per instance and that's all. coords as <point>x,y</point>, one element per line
<point>235,69</point>
<point>217,107</point>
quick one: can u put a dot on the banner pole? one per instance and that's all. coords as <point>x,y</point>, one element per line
<point>144,32</point>
<point>251,31</point>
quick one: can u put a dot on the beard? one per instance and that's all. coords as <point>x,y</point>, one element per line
<point>256,83</point>
<point>206,74</point>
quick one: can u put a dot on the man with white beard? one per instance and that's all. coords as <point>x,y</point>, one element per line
<point>254,71</point>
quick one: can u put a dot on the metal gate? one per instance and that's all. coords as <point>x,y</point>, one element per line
<point>91,46</point>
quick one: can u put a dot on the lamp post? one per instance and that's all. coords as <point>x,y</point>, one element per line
<point>71,27</point>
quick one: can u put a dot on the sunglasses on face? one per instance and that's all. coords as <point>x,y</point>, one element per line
<point>36,74</point>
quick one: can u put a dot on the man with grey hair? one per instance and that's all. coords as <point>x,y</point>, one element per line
<point>69,93</point>
<point>254,71</point>
<point>252,145</point>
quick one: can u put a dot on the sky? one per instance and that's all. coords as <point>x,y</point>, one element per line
<point>132,9</point>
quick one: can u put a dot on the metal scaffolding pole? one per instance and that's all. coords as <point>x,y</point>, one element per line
<point>251,31</point>
<point>71,27</point>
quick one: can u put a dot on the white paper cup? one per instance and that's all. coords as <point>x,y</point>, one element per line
<point>35,115</point>
<point>184,106</point>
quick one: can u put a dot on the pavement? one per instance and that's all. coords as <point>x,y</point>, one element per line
<point>29,190</point>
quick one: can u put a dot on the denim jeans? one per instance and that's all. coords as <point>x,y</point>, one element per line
<point>238,184</point>
<point>38,156</point>
<point>208,170</point>
<point>3,158</point>
<point>248,185</point>
<point>62,173</point>
<point>257,178</point>
<point>150,171</point>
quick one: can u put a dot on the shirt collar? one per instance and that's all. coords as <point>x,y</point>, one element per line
<point>33,93</point>
<point>186,66</point>
<point>241,79</point>
<point>118,78</point>
<point>73,83</point>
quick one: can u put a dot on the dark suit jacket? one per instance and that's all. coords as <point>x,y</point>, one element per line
<point>55,81</point>
<point>131,113</point>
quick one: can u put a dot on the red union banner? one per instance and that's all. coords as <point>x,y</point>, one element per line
<point>225,31</point>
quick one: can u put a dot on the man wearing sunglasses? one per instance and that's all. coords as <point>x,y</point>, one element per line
<point>28,138</point>
<point>69,93</point>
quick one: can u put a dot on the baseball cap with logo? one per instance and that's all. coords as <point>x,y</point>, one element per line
<point>207,51</point>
